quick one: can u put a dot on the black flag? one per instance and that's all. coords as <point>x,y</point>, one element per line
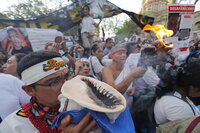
<point>140,20</point>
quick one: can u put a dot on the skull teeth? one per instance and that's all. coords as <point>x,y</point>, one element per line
<point>108,94</point>
<point>101,90</point>
<point>109,107</point>
<point>111,96</point>
<point>115,100</point>
<point>104,92</point>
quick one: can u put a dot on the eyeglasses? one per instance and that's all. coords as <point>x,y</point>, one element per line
<point>55,82</point>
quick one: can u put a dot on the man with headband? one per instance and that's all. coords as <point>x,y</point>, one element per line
<point>43,73</point>
<point>112,74</point>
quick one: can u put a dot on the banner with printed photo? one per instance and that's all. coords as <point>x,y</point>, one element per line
<point>26,40</point>
<point>180,21</point>
<point>14,40</point>
<point>71,15</point>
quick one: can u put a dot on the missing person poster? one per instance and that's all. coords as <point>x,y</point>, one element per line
<point>14,40</point>
<point>25,40</point>
<point>180,21</point>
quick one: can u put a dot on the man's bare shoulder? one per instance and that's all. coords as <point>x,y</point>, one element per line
<point>108,68</point>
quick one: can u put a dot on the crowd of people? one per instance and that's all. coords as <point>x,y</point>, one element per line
<point>31,83</point>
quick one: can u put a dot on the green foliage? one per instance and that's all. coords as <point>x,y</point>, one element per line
<point>128,29</point>
<point>3,16</point>
<point>28,9</point>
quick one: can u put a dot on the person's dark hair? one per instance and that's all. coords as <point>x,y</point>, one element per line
<point>87,6</point>
<point>19,56</point>
<point>35,58</point>
<point>130,46</point>
<point>2,51</point>
<point>108,39</point>
<point>139,40</point>
<point>188,74</point>
<point>94,48</point>
<point>167,82</point>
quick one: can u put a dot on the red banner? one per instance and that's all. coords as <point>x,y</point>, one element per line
<point>181,9</point>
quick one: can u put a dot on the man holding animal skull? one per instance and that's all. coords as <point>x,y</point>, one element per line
<point>43,73</point>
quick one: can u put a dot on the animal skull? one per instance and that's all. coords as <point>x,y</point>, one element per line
<point>85,92</point>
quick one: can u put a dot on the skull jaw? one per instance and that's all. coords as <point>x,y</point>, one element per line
<point>72,105</point>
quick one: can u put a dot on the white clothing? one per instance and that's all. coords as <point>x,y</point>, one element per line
<point>87,40</point>
<point>169,108</point>
<point>87,24</point>
<point>128,98</point>
<point>17,124</point>
<point>149,79</point>
<point>13,97</point>
<point>106,61</point>
<point>87,29</point>
<point>65,59</point>
<point>131,62</point>
<point>96,66</point>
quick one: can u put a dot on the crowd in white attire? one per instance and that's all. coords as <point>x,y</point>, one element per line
<point>12,96</point>
<point>12,93</point>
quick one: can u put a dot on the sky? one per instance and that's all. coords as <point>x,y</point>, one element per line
<point>132,5</point>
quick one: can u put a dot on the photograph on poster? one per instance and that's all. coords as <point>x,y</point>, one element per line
<point>184,34</point>
<point>15,42</point>
<point>174,22</point>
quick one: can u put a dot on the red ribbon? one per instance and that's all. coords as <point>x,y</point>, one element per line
<point>116,51</point>
<point>183,48</point>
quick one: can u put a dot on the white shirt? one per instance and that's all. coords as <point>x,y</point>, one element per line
<point>17,124</point>
<point>169,108</point>
<point>13,97</point>
<point>87,24</point>
<point>65,59</point>
<point>95,65</point>
<point>106,61</point>
<point>149,78</point>
<point>131,63</point>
